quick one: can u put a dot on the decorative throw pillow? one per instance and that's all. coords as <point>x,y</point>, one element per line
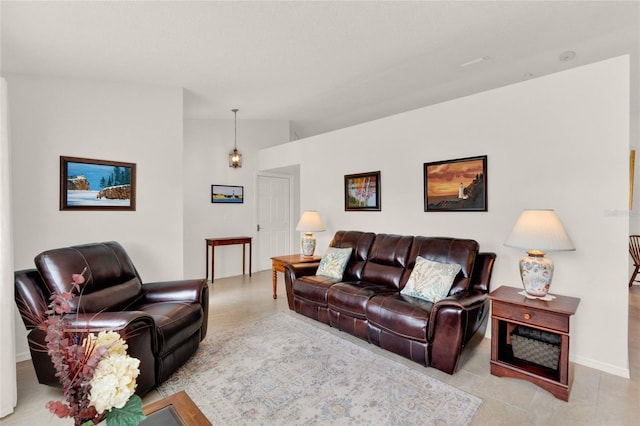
<point>430,280</point>
<point>333,262</point>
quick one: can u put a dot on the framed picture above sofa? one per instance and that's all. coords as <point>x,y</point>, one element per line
<point>456,185</point>
<point>89,184</point>
<point>362,191</point>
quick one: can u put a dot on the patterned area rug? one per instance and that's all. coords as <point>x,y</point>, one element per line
<point>284,371</point>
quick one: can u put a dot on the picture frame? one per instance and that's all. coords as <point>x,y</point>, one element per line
<point>362,191</point>
<point>90,184</point>
<point>227,194</point>
<point>458,185</point>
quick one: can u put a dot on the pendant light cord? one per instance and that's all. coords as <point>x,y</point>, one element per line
<point>235,128</point>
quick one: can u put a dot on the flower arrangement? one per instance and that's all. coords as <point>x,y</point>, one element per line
<point>98,377</point>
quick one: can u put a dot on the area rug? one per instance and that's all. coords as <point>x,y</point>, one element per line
<point>285,371</point>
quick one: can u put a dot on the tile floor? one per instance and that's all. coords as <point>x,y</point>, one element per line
<point>596,398</point>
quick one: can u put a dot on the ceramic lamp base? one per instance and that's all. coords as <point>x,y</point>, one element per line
<point>536,272</point>
<point>308,244</point>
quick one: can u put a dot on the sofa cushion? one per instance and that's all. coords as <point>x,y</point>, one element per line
<point>401,315</point>
<point>361,243</point>
<point>388,260</point>
<point>333,262</point>
<point>445,250</point>
<point>430,280</point>
<point>313,288</point>
<point>351,298</point>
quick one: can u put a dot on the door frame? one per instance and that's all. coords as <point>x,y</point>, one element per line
<point>292,210</point>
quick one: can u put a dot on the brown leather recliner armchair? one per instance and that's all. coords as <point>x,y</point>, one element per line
<point>163,322</point>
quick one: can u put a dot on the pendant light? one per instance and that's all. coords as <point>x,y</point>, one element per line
<point>235,158</point>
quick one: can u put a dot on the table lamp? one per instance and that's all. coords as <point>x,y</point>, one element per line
<point>538,231</point>
<point>309,222</point>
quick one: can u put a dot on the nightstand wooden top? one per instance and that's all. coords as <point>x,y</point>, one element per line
<point>561,304</point>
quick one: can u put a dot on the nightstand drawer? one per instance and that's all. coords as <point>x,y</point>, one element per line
<point>529,316</point>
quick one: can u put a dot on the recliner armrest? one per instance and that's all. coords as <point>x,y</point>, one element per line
<point>191,290</point>
<point>171,291</point>
<point>137,328</point>
<point>104,321</point>
<point>29,297</point>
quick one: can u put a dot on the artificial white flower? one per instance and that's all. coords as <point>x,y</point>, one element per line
<point>108,339</point>
<point>114,381</point>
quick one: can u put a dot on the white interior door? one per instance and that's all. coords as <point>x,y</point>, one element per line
<point>274,218</point>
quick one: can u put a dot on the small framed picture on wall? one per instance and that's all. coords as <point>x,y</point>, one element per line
<point>227,194</point>
<point>362,192</point>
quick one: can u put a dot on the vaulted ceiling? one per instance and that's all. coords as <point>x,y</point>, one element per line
<point>321,65</point>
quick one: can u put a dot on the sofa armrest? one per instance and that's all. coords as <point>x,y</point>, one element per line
<point>453,322</point>
<point>464,300</point>
<point>302,269</point>
<point>469,302</point>
<point>297,270</point>
<point>482,271</point>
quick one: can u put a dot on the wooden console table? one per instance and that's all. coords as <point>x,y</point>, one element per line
<point>511,309</point>
<point>225,241</point>
<point>279,262</point>
<point>177,409</point>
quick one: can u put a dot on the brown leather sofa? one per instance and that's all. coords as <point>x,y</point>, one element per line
<point>163,322</point>
<point>367,301</point>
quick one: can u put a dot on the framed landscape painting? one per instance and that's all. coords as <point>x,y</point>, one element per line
<point>88,184</point>
<point>227,194</point>
<point>456,185</point>
<point>362,192</point>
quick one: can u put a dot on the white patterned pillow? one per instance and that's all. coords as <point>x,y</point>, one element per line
<point>430,280</point>
<point>333,262</point>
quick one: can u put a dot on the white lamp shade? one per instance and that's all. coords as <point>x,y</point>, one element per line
<point>310,222</point>
<point>539,230</point>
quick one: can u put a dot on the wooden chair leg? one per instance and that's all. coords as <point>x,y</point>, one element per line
<point>633,276</point>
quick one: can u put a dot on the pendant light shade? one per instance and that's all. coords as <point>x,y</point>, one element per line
<point>235,158</point>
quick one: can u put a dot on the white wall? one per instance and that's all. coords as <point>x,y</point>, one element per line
<point>137,124</point>
<point>206,147</point>
<point>560,142</point>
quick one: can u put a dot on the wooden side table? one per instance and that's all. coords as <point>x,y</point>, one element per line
<point>175,410</point>
<point>225,241</point>
<point>510,310</point>
<point>279,262</point>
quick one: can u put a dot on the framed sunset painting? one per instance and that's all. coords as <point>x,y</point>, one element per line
<point>456,185</point>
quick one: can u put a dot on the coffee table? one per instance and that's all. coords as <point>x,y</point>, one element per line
<point>175,410</point>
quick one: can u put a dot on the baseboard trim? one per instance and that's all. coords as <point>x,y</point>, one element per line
<point>23,356</point>
<point>602,366</point>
